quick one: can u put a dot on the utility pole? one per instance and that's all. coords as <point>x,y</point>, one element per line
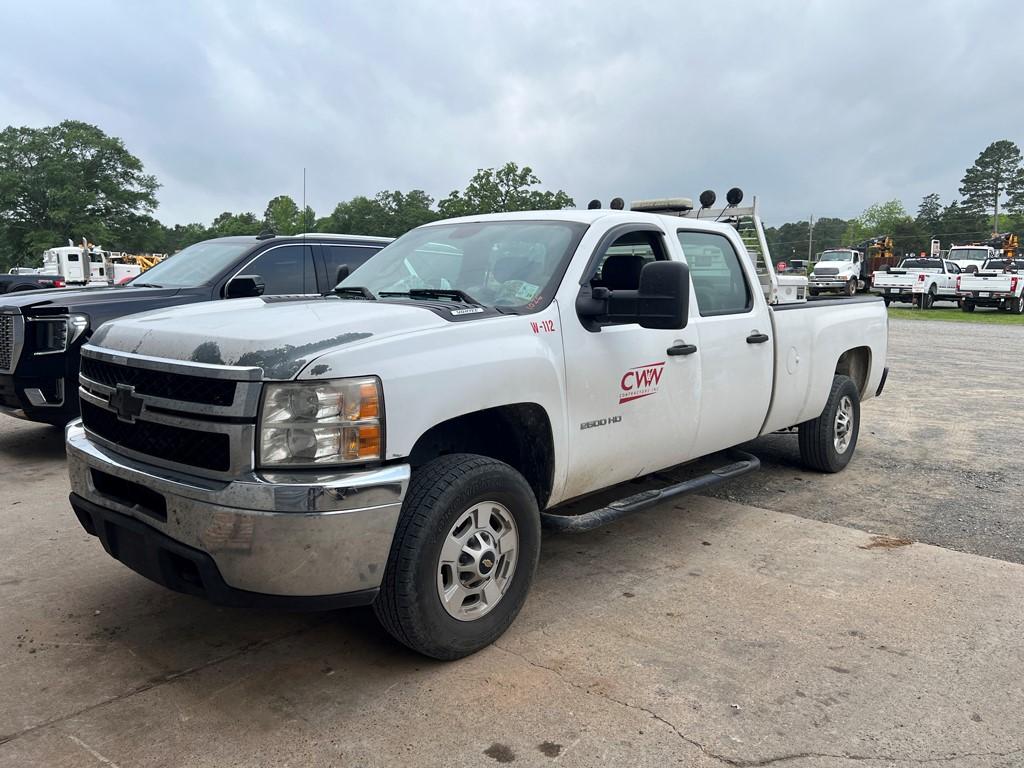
<point>996,232</point>
<point>810,240</point>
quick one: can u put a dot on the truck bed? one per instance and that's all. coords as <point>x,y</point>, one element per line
<point>809,340</point>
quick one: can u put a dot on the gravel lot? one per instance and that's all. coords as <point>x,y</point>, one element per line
<point>709,632</point>
<point>939,456</point>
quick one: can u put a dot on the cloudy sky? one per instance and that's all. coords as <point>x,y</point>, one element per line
<point>816,107</point>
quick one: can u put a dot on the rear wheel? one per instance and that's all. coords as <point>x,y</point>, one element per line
<point>967,305</point>
<point>1017,305</point>
<point>827,443</point>
<point>463,556</point>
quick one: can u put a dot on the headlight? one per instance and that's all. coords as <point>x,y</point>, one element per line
<point>313,423</point>
<point>56,334</point>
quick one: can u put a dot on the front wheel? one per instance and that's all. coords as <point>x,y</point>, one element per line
<point>851,287</point>
<point>827,443</point>
<point>463,557</point>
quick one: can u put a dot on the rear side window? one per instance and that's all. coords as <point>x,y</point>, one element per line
<point>719,283</point>
<point>350,256</point>
<point>286,270</point>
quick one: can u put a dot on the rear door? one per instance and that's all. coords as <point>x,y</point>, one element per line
<point>735,341</point>
<point>348,255</point>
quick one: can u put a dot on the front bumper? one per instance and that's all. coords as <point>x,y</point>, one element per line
<point>301,539</point>
<point>832,284</point>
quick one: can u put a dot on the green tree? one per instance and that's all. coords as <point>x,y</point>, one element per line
<point>497,190</point>
<point>228,224</point>
<point>405,211</point>
<point>961,225</point>
<point>69,180</point>
<point>929,213</point>
<point>878,219</point>
<point>283,216</point>
<point>996,174</point>
<point>359,216</point>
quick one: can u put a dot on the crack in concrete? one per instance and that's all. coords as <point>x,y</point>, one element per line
<point>149,685</point>
<point>760,763</point>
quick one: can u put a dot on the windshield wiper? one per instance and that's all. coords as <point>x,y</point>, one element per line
<point>454,294</point>
<point>354,292</point>
<point>145,285</point>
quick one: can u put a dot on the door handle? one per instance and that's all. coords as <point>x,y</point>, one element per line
<point>681,349</point>
<point>757,338</point>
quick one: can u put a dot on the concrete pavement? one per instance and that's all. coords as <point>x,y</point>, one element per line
<point>705,633</point>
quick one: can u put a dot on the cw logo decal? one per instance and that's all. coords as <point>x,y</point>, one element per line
<point>641,381</point>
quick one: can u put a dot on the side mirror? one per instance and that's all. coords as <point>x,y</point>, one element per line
<point>343,272</point>
<point>661,301</point>
<point>245,286</point>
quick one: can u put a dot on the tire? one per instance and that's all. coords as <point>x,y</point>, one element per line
<point>887,300</point>
<point>967,306</point>
<point>812,291</point>
<point>851,288</point>
<point>820,446</point>
<point>1017,306</point>
<point>442,496</point>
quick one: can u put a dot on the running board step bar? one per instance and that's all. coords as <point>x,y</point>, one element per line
<point>745,463</point>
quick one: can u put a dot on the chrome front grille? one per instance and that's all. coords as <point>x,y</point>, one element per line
<point>196,418</point>
<point>12,333</point>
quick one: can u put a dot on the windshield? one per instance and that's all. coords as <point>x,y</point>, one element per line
<point>1007,264</point>
<point>968,254</point>
<point>836,256</point>
<point>512,264</point>
<point>193,266</point>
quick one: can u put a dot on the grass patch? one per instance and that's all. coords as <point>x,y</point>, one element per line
<point>956,315</point>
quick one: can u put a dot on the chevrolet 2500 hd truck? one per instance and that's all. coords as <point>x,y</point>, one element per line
<point>41,332</point>
<point>402,442</point>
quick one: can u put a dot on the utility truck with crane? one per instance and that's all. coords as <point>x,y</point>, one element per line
<point>849,270</point>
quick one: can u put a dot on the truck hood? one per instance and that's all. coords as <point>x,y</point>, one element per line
<point>84,299</point>
<point>281,335</point>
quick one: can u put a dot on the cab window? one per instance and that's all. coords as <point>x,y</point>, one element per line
<point>286,270</point>
<point>719,284</point>
<point>619,266</point>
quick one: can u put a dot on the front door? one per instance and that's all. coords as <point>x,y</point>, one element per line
<point>735,341</point>
<point>633,406</point>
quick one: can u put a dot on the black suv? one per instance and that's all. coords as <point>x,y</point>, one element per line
<point>41,332</point>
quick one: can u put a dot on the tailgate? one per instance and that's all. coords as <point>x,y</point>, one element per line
<point>886,280</point>
<point>998,283</point>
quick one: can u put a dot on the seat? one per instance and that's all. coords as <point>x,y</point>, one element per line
<point>621,272</point>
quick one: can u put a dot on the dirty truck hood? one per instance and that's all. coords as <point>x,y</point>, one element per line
<point>281,336</point>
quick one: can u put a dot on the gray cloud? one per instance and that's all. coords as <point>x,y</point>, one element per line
<point>816,107</point>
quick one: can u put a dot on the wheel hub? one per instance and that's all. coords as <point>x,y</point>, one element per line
<point>843,427</point>
<point>477,561</point>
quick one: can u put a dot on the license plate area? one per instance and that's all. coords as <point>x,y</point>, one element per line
<point>132,495</point>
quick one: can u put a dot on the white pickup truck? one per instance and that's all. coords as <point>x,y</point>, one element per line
<point>999,283</point>
<point>921,281</point>
<point>402,442</point>
<point>970,258</point>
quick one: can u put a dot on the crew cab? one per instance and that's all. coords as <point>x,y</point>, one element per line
<point>41,332</point>
<point>402,441</point>
<point>999,283</point>
<point>922,281</point>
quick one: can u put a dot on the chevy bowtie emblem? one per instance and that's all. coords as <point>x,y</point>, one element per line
<point>125,404</point>
<point>488,562</point>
